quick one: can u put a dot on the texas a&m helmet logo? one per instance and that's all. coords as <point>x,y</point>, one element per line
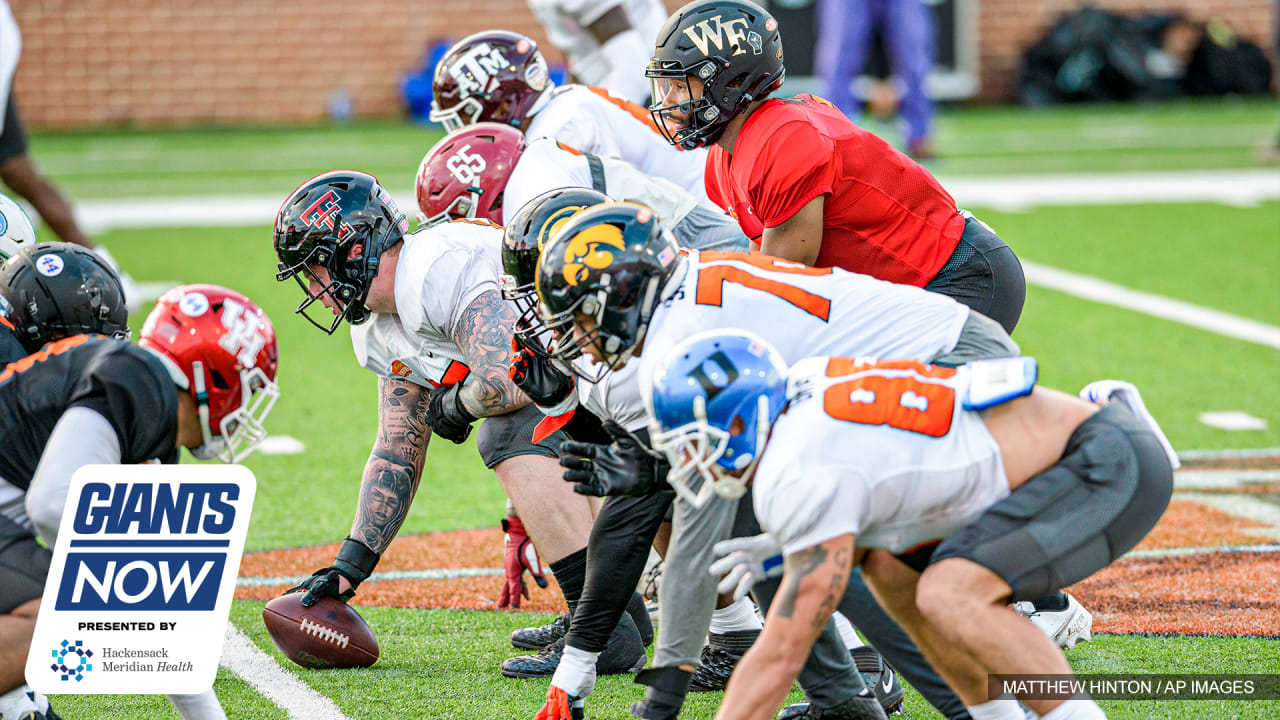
<point>474,70</point>
<point>321,212</point>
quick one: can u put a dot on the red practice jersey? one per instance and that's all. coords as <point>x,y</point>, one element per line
<point>885,216</point>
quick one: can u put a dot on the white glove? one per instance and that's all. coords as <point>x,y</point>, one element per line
<point>745,562</point>
<point>1102,392</point>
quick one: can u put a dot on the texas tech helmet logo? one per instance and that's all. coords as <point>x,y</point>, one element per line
<point>714,31</point>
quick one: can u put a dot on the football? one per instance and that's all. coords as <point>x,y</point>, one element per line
<point>329,634</point>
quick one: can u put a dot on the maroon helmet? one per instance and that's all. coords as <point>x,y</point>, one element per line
<point>464,175</point>
<point>493,76</point>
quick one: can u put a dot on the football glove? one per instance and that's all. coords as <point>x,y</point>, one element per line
<point>664,695</point>
<point>624,467</point>
<point>561,706</point>
<point>446,415</point>
<point>355,562</point>
<point>553,391</point>
<point>745,562</point>
<point>573,681</point>
<point>519,555</point>
<point>1101,392</point>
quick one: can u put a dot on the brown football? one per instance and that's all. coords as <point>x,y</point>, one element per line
<point>329,634</point>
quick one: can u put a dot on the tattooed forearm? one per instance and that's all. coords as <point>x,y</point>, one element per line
<point>394,468</point>
<point>796,568</point>
<point>484,337</point>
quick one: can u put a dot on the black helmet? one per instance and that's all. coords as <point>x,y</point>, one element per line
<point>733,47</point>
<point>54,290</point>
<point>609,262</point>
<point>342,221</point>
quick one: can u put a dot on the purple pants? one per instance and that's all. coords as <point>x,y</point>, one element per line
<point>844,36</point>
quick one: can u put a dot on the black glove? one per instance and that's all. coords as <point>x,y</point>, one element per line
<point>446,416</point>
<point>355,562</point>
<point>665,694</point>
<point>624,467</point>
<point>533,372</point>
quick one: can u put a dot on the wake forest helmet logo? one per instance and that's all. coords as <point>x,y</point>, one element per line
<point>714,31</point>
<point>590,250</point>
<point>476,68</point>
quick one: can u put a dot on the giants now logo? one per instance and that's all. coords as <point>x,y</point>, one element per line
<point>715,32</point>
<point>474,70</point>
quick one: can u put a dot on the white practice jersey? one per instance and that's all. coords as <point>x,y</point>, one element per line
<point>567,23</point>
<point>885,451</point>
<point>441,271</point>
<point>11,50</point>
<point>549,164</point>
<point>591,120</point>
<point>801,311</point>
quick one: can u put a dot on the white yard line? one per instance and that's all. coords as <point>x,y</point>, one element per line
<point>1204,479</point>
<point>446,574</point>
<point>1244,506</point>
<point>1248,454</point>
<point>242,657</point>
<point>1174,552</point>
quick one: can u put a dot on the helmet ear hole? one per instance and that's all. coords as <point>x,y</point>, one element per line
<point>218,380</point>
<point>738,426</point>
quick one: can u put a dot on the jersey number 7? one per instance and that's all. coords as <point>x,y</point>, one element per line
<point>711,280</point>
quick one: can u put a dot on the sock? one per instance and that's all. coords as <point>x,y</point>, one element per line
<point>1005,707</point>
<point>740,615</point>
<point>1076,710</point>
<point>847,633</point>
<point>1057,602</point>
<point>16,701</point>
<point>571,574</point>
<point>202,706</point>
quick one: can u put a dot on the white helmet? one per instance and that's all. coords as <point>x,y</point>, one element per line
<point>16,230</point>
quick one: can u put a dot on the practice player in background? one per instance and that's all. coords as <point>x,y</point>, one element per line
<point>201,377</point>
<point>941,483</point>
<point>428,318</point>
<point>489,171</point>
<point>607,41</point>
<point>500,76</point>
<point>806,183</point>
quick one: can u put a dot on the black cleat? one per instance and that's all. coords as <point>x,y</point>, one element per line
<point>536,638</point>
<point>624,654</point>
<point>719,658</point>
<point>881,678</point>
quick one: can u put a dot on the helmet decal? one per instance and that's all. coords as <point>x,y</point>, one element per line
<point>464,166</point>
<point>717,32</point>
<point>590,249</point>
<point>193,304</point>
<point>555,222</point>
<point>474,69</point>
<point>321,212</point>
<point>49,265</point>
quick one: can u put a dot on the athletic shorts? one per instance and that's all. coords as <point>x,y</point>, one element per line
<point>505,436</point>
<point>1106,493</point>
<point>13,140</point>
<point>24,565</point>
<point>981,338</point>
<point>984,274</point>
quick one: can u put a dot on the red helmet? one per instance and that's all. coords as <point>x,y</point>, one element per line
<point>492,76</point>
<point>464,174</point>
<point>221,347</point>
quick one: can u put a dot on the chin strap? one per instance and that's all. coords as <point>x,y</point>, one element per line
<point>202,400</point>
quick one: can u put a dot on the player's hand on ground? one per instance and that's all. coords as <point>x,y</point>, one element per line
<point>623,467</point>
<point>446,415</point>
<point>519,555</point>
<point>745,562</point>
<point>325,582</point>
<point>560,706</point>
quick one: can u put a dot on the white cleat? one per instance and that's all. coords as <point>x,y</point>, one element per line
<point>1065,627</point>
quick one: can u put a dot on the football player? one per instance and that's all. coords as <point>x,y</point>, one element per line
<point>54,290</point>
<point>607,43</point>
<point>613,285</point>
<point>501,77</point>
<point>16,230</point>
<point>941,483</point>
<point>806,183</point>
<point>201,377</point>
<point>428,318</point>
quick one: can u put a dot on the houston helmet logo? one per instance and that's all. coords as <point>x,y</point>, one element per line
<point>321,212</point>
<point>591,250</point>
<point>716,32</point>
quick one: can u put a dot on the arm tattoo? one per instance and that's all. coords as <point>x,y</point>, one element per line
<point>394,468</point>
<point>798,566</point>
<point>484,337</point>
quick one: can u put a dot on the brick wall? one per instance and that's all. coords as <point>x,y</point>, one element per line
<point>157,62</point>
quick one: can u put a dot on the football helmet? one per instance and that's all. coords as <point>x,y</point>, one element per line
<point>609,262</point>
<point>734,49</point>
<point>700,392</point>
<point>492,76</point>
<point>220,347</point>
<point>341,221</point>
<point>53,290</point>
<point>522,243</point>
<point>464,174</point>
<point>16,230</point>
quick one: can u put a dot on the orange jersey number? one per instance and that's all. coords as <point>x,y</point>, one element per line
<point>902,402</point>
<point>711,280</point>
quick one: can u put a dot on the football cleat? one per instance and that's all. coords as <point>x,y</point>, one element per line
<point>536,638</point>
<point>719,658</point>
<point>1065,627</point>
<point>624,654</point>
<point>863,706</point>
<point>881,678</point>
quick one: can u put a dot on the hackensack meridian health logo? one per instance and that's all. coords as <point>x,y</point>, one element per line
<point>142,577</point>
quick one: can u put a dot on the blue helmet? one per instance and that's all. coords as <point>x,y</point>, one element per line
<point>707,383</point>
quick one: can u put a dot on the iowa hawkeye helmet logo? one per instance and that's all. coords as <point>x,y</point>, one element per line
<point>591,250</point>
<point>714,31</point>
<point>555,222</point>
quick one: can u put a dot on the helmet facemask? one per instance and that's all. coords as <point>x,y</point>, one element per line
<point>241,430</point>
<point>464,113</point>
<point>704,120</point>
<point>707,459</point>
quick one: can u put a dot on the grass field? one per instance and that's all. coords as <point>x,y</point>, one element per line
<point>442,663</point>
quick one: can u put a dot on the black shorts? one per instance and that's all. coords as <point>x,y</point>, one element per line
<point>1106,493</point>
<point>24,565</point>
<point>984,274</point>
<point>13,140</point>
<point>505,436</point>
